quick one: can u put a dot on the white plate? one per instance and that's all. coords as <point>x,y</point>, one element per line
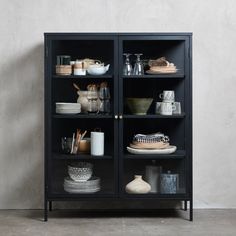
<point>82,190</point>
<point>67,111</point>
<point>169,150</point>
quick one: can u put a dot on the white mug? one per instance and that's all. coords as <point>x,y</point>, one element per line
<point>177,108</point>
<point>78,71</point>
<point>158,107</point>
<point>97,143</point>
<point>167,108</point>
<point>167,96</point>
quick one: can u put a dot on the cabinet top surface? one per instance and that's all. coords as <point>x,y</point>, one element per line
<point>120,34</point>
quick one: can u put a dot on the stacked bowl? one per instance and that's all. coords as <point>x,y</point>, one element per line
<point>80,179</point>
<point>68,108</point>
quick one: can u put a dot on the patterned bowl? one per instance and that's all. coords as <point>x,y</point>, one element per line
<point>81,171</point>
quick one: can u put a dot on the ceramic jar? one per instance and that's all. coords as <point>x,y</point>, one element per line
<point>169,183</point>
<point>138,186</point>
<point>83,100</point>
<point>152,176</point>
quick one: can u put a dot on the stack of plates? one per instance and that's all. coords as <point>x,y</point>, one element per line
<point>170,69</point>
<point>68,108</point>
<point>155,143</point>
<point>90,186</point>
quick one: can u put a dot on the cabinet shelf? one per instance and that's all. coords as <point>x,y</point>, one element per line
<point>106,76</point>
<point>59,156</point>
<point>153,116</point>
<point>81,116</point>
<point>179,154</point>
<point>159,76</point>
<point>156,196</point>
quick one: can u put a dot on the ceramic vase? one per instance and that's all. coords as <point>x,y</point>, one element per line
<point>138,186</point>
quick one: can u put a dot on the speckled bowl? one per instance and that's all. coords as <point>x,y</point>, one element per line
<point>139,106</point>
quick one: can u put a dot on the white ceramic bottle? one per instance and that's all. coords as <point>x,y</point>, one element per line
<point>138,186</point>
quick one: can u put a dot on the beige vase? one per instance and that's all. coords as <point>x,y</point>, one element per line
<point>138,186</point>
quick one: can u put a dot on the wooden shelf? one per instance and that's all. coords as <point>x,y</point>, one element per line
<point>159,76</point>
<point>81,116</point>
<point>179,154</point>
<point>154,116</point>
<point>106,76</point>
<point>60,156</point>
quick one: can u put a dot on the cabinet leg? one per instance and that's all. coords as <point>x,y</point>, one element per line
<point>45,210</point>
<point>50,205</point>
<point>185,205</point>
<point>191,210</point>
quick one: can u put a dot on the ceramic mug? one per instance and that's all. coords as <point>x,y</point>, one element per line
<point>78,71</point>
<point>167,108</point>
<point>158,107</point>
<point>97,143</point>
<point>177,108</point>
<point>167,96</point>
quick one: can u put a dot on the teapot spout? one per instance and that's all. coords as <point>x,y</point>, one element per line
<point>107,67</point>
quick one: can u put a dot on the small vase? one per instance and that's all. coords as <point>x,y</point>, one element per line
<point>138,186</point>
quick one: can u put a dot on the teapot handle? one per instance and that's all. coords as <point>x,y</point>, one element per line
<point>99,62</point>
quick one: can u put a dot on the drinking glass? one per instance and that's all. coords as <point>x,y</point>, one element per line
<point>104,95</point>
<point>66,144</point>
<point>127,69</point>
<point>138,67</point>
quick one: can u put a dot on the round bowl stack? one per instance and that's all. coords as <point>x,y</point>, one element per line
<point>80,179</point>
<point>68,108</point>
<point>82,171</point>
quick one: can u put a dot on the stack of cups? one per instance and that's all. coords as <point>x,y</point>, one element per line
<point>168,106</point>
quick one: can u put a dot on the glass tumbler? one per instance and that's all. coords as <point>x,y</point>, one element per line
<point>127,69</point>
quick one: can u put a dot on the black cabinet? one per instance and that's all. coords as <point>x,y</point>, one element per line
<point>117,167</point>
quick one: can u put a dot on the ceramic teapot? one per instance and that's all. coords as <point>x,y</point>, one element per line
<point>87,62</point>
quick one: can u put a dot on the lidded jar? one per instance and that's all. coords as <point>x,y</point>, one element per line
<point>92,96</point>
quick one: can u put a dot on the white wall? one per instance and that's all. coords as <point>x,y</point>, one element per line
<point>22,24</point>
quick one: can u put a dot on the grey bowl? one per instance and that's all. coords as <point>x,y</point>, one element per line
<point>139,106</point>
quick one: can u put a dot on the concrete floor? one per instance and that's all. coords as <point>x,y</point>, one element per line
<point>29,222</point>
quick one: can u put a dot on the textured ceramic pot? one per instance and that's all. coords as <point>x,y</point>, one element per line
<point>138,186</point>
<point>83,100</point>
<point>139,106</point>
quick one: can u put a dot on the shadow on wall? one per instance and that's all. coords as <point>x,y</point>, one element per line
<point>21,128</point>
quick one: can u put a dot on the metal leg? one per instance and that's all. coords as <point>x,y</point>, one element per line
<point>45,210</point>
<point>50,205</point>
<point>191,211</point>
<point>185,205</point>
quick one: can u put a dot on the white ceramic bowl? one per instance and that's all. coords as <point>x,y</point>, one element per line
<point>97,69</point>
<point>82,171</point>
